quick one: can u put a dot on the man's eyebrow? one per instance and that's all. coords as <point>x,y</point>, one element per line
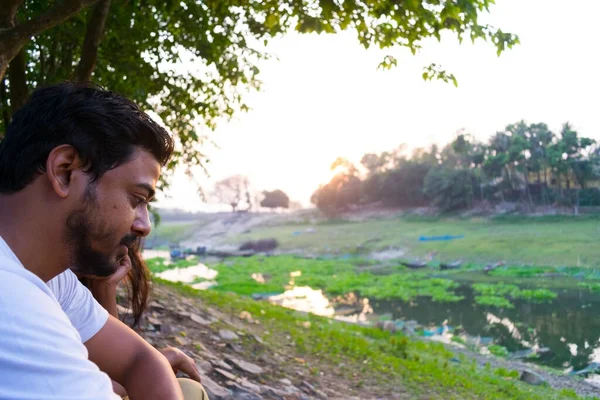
<point>150,189</point>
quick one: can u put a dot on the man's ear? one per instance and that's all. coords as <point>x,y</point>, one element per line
<point>62,161</point>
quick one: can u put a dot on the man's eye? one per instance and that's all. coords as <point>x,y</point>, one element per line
<point>139,200</point>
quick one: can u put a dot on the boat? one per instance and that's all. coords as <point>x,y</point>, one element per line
<point>419,264</point>
<point>414,264</point>
<point>452,265</point>
<point>491,267</point>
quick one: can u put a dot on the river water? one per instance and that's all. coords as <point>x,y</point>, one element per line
<point>569,326</point>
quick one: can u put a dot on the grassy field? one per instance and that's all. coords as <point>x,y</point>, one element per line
<point>542,241</point>
<point>171,233</point>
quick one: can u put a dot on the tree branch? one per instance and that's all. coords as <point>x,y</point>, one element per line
<point>13,38</point>
<point>42,66</point>
<point>52,59</point>
<point>8,10</point>
<point>93,36</point>
<point>51,18</point>
<point>4,106</point>
<point>18,81</point>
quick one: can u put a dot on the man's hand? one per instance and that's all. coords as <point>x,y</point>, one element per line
<point>181,362</point>
<point>104,290</point>
<point>114,279</point>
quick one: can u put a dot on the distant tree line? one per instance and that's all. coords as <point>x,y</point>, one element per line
<point>236,192</point>
<point>524,163</point>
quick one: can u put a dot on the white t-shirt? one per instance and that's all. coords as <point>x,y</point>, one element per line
<point>84,312</point>
<point>42,356</point>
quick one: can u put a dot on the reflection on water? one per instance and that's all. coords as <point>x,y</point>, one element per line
<point>307,299</point>
<point>360,316</point>
<point>593,379</point>
<point>564,326</point>
<point>151,253</point>
<point>572,348</point>
<point>595,357</point>
<point>304,298</point>
<point>185,275</point>
<point>189,274</point>
<point>512,330</point>
<point>204,285</point>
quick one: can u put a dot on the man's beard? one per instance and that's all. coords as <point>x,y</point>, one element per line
<point>84,227</point>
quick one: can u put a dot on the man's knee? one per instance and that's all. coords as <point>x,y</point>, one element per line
<point>192,390</point>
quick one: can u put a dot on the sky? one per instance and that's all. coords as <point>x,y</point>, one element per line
<point>323,98</point>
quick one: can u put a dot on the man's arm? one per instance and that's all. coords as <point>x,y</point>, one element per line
<point>107,297</point>
<point>105,292</point>
<point>129,360</point>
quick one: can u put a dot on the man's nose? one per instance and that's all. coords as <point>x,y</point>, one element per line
<point>141,225</point>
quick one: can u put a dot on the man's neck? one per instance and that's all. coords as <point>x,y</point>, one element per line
<point>33,234</point>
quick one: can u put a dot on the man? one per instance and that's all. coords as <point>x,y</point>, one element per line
<point>89,309</point>
<point>78,166</point>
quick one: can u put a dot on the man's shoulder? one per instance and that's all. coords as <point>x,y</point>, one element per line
<point>84,312</point>
<point>65,276</point>
<point>15,278</point>
<point>65,281</point>
<point>26,303</point>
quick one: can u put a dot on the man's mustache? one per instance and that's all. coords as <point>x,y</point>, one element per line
<point>132,242</point>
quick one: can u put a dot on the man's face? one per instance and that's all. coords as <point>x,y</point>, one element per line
<point>113,216</point>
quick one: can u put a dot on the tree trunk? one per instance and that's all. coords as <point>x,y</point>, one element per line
<point>545,197</point>
<point>4,106</point>
<point>528,192</point>
<point>8,12</point>
<point>559,185</point>
<point>66,57</point>
<point>93,36</point>
<point>14,37</point>
<point>42,66</point>
<point>52,59</point>
<point>481,189</point>
<point>18,81</point>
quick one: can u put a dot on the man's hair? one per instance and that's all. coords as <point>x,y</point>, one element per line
<point>103,127</point>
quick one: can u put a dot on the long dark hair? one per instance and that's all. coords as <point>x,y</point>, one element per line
<point>138,286</point>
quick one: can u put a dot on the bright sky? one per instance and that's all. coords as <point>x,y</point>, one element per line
<point>325,98</point>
